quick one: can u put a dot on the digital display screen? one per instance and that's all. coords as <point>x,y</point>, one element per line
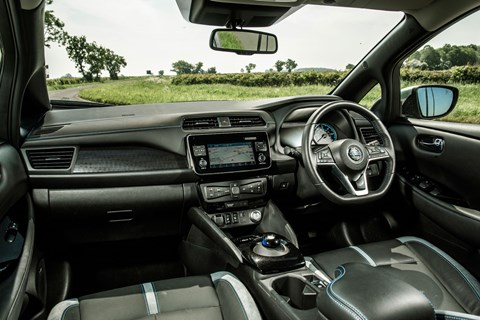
<point>237,154</point>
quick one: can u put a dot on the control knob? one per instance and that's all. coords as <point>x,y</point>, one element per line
<point>255,216</point>
<point>202,163</point>
<point>270,241</point>
<point>262,158</point>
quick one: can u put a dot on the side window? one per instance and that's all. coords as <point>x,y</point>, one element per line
<point>442,79</point>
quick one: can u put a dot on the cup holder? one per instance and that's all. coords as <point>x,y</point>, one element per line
<point>296,291</point>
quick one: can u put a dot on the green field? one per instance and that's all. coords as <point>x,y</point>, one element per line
<point>158,90</point>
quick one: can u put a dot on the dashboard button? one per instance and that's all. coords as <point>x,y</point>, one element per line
<point>255,216</point>
<point>262,158</point>
<point>218,219</point>
<point>203,163</point>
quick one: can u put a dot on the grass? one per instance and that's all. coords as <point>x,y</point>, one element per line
<point>157,90</point>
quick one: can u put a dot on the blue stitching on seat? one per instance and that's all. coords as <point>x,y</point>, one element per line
<point>341,302</point>
<point>145,299</point>
<point>464,273</point>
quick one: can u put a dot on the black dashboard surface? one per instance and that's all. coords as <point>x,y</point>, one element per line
<point>122,145</point>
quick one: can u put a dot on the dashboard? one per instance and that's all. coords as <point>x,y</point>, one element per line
<point>122,163</point>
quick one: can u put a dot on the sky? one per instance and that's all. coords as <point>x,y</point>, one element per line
<point>152,34</point>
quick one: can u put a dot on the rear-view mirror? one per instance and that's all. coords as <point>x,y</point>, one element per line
<point>245,42</point>
<point>428,101</point>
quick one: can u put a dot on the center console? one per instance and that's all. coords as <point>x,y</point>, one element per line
<point>245,229</point>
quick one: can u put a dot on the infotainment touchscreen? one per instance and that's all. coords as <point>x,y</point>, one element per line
<point>229,152</point>
<point>224,155</point>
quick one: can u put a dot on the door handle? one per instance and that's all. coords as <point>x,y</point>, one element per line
<point>431,143</point>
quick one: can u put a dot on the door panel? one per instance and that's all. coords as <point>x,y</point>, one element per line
<point>455,169</point>
<point>442,182</point>
<point>17,234</point>
<point>443,186</point>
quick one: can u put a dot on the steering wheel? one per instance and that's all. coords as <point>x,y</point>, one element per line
<point>348,158</point>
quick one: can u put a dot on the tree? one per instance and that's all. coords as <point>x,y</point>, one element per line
<point>349,66</point>
<point>54,31</point>
<point>212,70</point>
<point>182,67</point>
<point>198,68</point>
<point>77,52</point>
<point>279,65</point>
<point>95,59</point>
<point>250,67</point>
<point>112,62</point>
<point>161,73</point>
<point>290,65</point>
<point>431,57</point>
<point>462,56</point>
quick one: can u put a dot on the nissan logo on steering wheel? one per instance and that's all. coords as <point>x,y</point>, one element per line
<point>355,153</point>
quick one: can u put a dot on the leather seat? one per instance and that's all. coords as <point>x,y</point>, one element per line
<point>218,296</point>
<point>452,291</point>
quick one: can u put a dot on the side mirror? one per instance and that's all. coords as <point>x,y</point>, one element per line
<point>243,42</point>
<point>428,101</point>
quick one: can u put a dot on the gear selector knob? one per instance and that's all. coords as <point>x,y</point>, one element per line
<point>270,241</point>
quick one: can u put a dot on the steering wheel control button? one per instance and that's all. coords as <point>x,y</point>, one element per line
<point>325,156</point>
<point>255,216</point>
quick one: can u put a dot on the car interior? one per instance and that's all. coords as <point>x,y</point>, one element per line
<point>303,207</point>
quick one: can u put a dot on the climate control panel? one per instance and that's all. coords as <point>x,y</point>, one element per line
<point>233,191</point>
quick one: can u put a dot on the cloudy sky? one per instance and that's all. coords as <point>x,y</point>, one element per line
<point>151,34</point>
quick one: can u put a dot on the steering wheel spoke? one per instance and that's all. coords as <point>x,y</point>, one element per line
<point>356,185</point>
<point>376,152</point>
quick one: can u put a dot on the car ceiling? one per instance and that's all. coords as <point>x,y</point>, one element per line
<point>431,14</point>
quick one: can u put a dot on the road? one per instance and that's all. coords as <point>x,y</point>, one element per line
<point>68,94</point>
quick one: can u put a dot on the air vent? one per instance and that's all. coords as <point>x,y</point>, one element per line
<point>50,159</point>
<point>247,121</point>
<point>370,135</point>
<point>200,123</point>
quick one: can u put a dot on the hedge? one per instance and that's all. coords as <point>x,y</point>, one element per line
<point>64,81</point>
<point>267,79</point>
<point>464,75</point>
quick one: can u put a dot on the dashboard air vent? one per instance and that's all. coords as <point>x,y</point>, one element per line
<point>50,159</point>
<point>247,121</point>
<point>200,123</point>
<point>370,135</point>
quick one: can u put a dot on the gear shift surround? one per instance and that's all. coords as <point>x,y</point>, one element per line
<point>270,253</point>
<point>271,246</point>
